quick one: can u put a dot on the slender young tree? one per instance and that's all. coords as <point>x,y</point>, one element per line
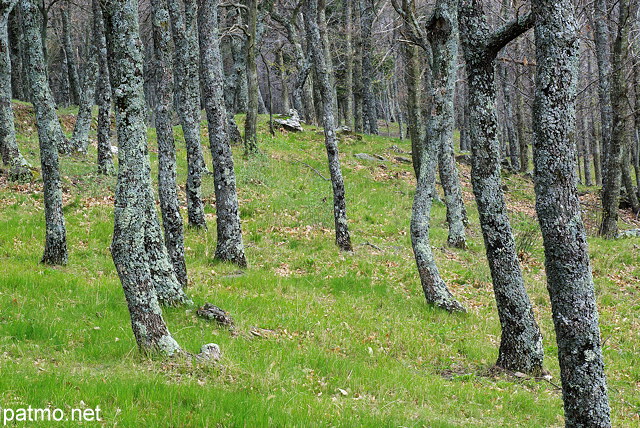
<point>229,246</point>
<point>521,341</point>
<point>70,57</point>
<point>167,186</point>
<point>311,16</point>
<point>569,278</point>
<point>251,121</point>
<point>49,134</point>
<point>183,15</point>
<point>442,28</point>
<point>369,113</point>
<point>105,158</point>
<point>137,248</point>
<point>80,136</point>
<point>19,168</point>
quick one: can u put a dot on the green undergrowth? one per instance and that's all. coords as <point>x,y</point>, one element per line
<point>322,338</point>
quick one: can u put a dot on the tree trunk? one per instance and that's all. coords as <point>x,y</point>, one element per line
<point>521,341</point>
<point>105,158</point>
<point>312,15</point>
<point>251,121</point>
<point>569,278</point>
<point>72,67</point>
<point>137,248</point>
<point>348,63</point>
<point>80,136</point>
<point>282,72</point>
<point>19,168</point>
<point>369,113</point>
<point>50,137</point>
<point>443,37</point>
<point>167,186</point>
<point>229,245</point>
<point>611,154</point>
<point>185,37</point>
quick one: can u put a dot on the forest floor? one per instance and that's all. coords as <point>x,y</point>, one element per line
<point>322,338</point>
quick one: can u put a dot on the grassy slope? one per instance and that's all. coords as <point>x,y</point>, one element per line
<point>356,322</point>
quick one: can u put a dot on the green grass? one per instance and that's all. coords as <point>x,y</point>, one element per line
<point>354,324</point>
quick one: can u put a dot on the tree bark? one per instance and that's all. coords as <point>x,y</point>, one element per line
<point>521,341</point>
<point>167,186</point>
<point>569,278</point>
<point>369,113</point>
<point>80,136</point>
<point>137,248</point>
<point>229,245</point>
<point>50,137</point>
<point>251,121</point>
<point>105,158</point>
<point>19,168</point>
<point>442,32</point>
<point>72,67</point>
<point>343,240</point>
<point>183,15</point>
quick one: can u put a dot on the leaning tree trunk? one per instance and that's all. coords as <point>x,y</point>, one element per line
<point>229,245</point>
<point>105,158</point>
<point>343,240</point>
<point>521,341</point>
<point>137,247</point>
<point>569,278</point>
<point>167,186</point>
<point>19,168</point>
<point>443,36</point>
<point>185,37</point>
<point>80,136</point>
<point>49,134</point>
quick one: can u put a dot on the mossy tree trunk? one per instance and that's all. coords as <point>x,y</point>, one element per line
<point>229,246</point>
<point>167,186</point>
<point>369,112</point>
<point>11,156</point>
<point>137,248</point>
<point>521,341</point>
<point>251,121</point>
<point>105,157</point>
<point>183,15</point>
<point>569,278</point>
<point>49,134</point>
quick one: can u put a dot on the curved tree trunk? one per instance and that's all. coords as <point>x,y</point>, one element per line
<point>521,341</point>
<point>443,37</point>
<point>183,15</point>
<point>49,134</point>
<point>229,245</point>
<point>343,240</point>
<point>19,168</point>
<point>167,186</point>
<point>569,279</point>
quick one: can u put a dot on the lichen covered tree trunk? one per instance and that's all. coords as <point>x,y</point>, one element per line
<point>11,156</point>
<point>369,112</point>
<point>105,158</point>
<point>49,134</point>
<point>229,246</point>
<point>251,121</point>
<point>80,136</point>
<point>442,32</point>
<point>167,186</point>
<point>70,58</point>
<point>521,341</point>
<point>569,278</point>
<point>137,248</point>
<point>183,15</point>
<point>343,239</point>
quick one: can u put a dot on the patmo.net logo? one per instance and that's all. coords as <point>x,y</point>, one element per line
<point>30,414</point>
